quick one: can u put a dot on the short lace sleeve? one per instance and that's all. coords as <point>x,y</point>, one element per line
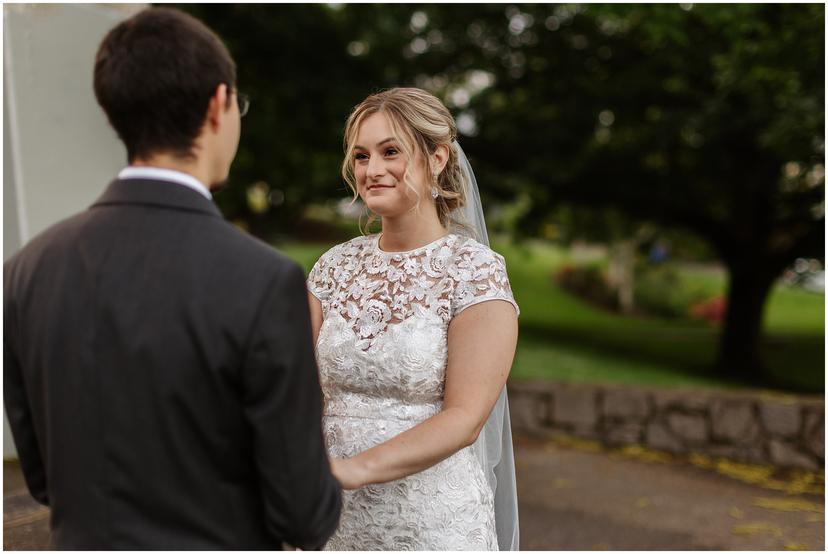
<point>319,280</point>
<point>480,275</point>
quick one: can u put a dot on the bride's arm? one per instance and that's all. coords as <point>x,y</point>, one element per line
<point>481,347</point>
<point>315,316</point>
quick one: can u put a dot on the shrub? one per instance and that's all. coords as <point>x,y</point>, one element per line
<point>588,282</point>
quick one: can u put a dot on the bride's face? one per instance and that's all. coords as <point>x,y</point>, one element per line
<point>379,167</point>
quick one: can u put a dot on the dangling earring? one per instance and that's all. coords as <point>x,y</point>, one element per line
<point>434,193</point>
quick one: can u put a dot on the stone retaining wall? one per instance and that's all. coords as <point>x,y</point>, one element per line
<point>755,427</point>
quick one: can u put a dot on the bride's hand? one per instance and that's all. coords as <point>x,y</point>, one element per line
<point>348,472</point>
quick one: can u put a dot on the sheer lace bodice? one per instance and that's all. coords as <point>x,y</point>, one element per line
<point>373,289</point>
<point>382,353</point>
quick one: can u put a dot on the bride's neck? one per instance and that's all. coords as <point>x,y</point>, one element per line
<point>409,232</point>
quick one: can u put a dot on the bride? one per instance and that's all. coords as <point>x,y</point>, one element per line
<point>415,329</point>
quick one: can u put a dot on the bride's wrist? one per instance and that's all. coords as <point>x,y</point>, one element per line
<point>361,470</point>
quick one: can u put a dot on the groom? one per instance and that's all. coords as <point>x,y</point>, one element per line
<point>159,374</point>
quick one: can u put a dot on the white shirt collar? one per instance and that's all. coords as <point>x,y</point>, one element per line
<point>157,173</point>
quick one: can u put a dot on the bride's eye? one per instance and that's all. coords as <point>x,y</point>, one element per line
<point>391,152</point>
<point>360,156</point>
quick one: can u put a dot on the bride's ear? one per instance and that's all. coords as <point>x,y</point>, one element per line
<point>439,158</point>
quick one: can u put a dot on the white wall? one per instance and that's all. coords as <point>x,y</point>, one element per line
<point>59,152</point>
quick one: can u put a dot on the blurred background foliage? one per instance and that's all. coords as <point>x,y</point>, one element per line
<point>653,173</point>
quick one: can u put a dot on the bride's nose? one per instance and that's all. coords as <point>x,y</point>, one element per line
<point>376,167</point>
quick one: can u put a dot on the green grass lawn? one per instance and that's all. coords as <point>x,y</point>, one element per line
<point>563,337</point>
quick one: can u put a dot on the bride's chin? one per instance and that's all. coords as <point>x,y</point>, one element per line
<point>381,207</point>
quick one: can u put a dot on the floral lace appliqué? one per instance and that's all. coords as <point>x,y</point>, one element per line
<point>382,353</point>
<point>374,289</point>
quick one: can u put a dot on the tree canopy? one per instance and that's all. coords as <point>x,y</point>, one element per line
<point>705,117</point>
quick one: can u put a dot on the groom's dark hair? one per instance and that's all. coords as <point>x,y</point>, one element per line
<point>154,76</point>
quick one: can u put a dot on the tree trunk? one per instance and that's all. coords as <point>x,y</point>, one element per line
<point>748,289</point>
<point>622,274</point>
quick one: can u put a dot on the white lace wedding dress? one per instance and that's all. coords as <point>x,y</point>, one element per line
<point>382,356</point>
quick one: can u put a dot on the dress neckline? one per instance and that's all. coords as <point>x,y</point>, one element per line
<point>412,251</point>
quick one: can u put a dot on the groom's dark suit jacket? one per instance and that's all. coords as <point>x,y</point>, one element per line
<point>160,380</point>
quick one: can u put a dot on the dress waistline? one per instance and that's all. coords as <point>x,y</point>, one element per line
<point>349,404</point>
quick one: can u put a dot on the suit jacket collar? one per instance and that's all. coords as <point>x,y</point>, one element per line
<point>161,194</point>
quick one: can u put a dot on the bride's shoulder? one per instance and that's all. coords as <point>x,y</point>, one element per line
<point>346,249</point>
<point>467,247</point>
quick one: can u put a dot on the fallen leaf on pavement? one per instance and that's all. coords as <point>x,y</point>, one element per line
<point>788,505</point>
<point>756,528</point>
<point>736,512</point>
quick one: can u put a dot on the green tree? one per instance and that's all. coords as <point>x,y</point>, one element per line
<point>293,61</point>
<point>708,118</point>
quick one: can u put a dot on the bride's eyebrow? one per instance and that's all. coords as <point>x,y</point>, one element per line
<point>380,143</point>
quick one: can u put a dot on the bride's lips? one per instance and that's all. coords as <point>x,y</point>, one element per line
<point>375,187</point>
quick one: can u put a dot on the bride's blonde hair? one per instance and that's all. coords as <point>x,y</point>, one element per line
<point>421,123</point>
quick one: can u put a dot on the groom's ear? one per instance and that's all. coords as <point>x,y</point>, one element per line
<point>217,107</point>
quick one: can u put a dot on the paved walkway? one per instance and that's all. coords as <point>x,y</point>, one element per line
<point>575,495</point>
<point>578,496</point>
<point>25,522</point>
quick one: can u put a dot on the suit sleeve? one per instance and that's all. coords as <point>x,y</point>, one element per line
<point>17,406</point>
<point>282,400</point>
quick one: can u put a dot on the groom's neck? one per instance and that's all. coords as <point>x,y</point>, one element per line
<point>191,166</point>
